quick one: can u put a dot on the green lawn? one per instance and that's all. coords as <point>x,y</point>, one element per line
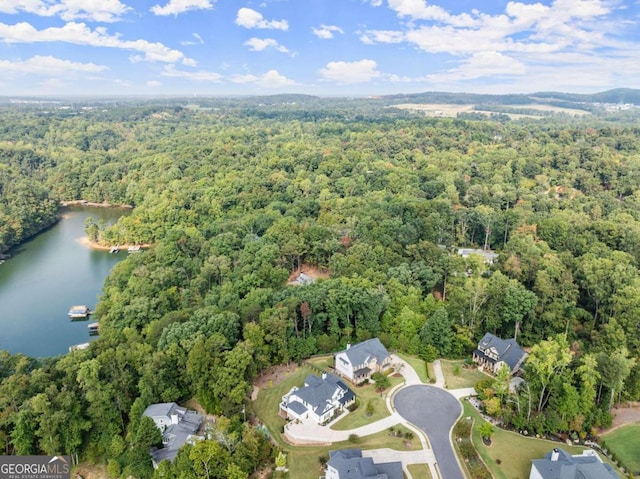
<point>419,365</point>
<point>625,443</point>
<point>466,377</point>
<point>322,362</point>
<point>303,461</point>
<point>366,395</point>
<point>513,450</point>
<point>419,471</point>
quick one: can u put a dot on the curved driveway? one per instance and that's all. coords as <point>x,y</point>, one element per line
<point>434,411</point>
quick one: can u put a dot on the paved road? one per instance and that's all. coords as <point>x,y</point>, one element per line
<point>434,411</point>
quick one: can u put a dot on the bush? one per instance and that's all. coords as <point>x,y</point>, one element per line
<point>408,435</point>
<point>113,468</point>
<point>354,438</point>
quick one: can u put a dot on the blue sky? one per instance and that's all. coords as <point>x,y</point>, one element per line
<point>322,47</point>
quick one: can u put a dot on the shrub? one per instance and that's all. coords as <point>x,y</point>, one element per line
<point>354,438</point>
<point>408,435</point>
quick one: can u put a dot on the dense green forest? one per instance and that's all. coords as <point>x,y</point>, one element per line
<point>237,199</point>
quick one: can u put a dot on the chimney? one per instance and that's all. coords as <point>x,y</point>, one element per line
<point>348,345</point>
<point>555,454</point>
<point>324,376</point>
<point>174,419</point>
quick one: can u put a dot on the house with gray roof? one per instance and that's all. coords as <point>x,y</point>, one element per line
<point>360,361</point>
<point>349,464</point>
<point>493,352</point>
<point>177,424</point>
<point>559,464</point>
<point>319,399</point>
<point>488,256</point>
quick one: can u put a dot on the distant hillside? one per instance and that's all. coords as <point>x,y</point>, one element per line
<point>574,100</point>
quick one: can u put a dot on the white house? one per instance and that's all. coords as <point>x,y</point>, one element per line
<point>360,361</point>
<point>177,424</point>
<point>488,256</point>
<point>319,399</point>
<point>559,464</point>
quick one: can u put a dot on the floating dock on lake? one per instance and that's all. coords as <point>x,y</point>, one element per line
<point>79,312</point>
<point>93,329</point>
<point>114,249</point>
<point>134,249</point>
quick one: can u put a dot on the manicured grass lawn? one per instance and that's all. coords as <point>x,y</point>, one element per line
<point>419,365</point>
<point>625,443</point>
<point>366,395</point>
<point>322,362</point>
<point>303,461</point>
<point>467,377</point>
<point>513,450</point>
<point>267,406</point>
<point>419,471</point>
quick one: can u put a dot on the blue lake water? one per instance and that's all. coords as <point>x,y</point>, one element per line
<point>45,277</point>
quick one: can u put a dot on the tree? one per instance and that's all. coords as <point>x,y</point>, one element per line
<point>518,304</point>
<point>547,359</point>
<point>486,430</point>
<point>381,381</point>
<point>438,331</point>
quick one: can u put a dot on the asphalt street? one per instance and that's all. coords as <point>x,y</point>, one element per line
<point>434,411</point>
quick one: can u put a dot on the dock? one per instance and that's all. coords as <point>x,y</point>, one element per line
<point>114,249</point>
<point>79,312</point>
<point>78,347</point>
<point>134,249</point>
<point>93,329</point>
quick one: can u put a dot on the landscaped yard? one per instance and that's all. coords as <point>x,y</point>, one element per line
<point>457,375</point>
<point>513,451</point>
<point>419,365</point>
<point>366,395</point>
<point>419,471</point>
<point>625,443</point>
<point>303,461</point>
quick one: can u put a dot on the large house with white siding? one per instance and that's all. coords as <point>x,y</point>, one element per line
<point>360,361</point>
<point>319,399</point>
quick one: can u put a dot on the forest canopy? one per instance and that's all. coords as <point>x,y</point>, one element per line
<point>237,200</point>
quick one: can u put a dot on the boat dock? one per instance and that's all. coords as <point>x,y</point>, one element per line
<point>114,249</point>
<point>79,312</point>
<point>93,329</point>
<point>78,347</point>
<point>134,249</point>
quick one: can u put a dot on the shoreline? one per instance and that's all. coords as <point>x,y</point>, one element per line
<point>87,243</point>
<point>92,204</point>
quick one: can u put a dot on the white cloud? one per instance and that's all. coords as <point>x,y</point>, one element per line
<point>249,18</point>
<point>271,79</point>
<point>175,7</point>
<point>326,31</point>
<point>361,71</point>
<point>483,64</point>
<point>92,10</point>
<point>260,44</point>
<point>47,65</point>
<point>375,3</point>
<point>382,36</point>
<point>80,34</point>
<point>199,40</point>
<point>171,71</point>
<point>154,83</point>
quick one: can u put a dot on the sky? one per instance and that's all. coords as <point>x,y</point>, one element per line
<point>318,47</point>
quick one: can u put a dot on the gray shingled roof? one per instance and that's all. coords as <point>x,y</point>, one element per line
<point>569,467</point>
<point>508,349</point>
<point>362,352</point>
<point>351,465</point>
<point>175,435</point>
<point>318,392</point>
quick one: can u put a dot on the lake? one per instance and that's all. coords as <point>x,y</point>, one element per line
<point>45,277</point>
